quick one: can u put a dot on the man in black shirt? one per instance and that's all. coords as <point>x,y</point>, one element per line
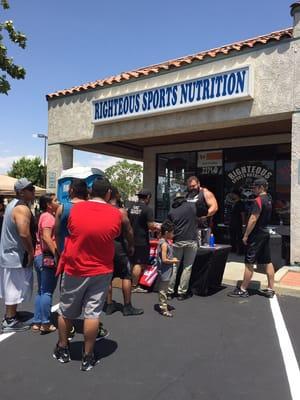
<point>141,218</point>
<point>124,247</point>
<point>256,240</point>
<point>183,214</point>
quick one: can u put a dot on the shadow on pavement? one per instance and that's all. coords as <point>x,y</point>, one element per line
<point>24,316</point>
<point>254,288</point>
<point>104,348</point>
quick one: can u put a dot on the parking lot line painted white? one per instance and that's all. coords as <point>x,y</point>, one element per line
<point>287,350</point>
<point>4,336</point>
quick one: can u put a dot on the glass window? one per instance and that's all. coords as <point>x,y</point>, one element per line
<point>283,191</point>
<point>173,169</point>
<point>240,176</point>
<point>237,169</point>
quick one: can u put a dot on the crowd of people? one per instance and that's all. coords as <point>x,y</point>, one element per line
<point>86,242</point>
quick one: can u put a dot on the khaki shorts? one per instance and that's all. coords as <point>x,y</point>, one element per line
<point>86,294</point>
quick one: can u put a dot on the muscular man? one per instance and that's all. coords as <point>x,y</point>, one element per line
<point>205,200</point>
<point>256,239</point>
<point>16,254</point>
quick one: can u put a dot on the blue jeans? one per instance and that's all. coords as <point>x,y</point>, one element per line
<point>46,285</point>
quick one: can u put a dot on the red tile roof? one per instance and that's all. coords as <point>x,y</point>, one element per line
<point>177,63</point>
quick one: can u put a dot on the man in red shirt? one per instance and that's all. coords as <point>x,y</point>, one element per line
<point>87,262</point>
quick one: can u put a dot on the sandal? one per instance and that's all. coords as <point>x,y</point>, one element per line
<point>35,327</point>
<point>166,313</point>
<point>47,328</point>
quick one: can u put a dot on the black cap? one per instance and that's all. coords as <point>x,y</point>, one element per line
<point>144,193</point>
<point>260,182</point>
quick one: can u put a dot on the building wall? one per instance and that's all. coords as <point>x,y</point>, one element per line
<point>70,118</point>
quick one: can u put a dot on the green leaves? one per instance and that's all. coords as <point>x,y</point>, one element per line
<point>30,168</point>
<point>127,177</point>
<point>6,63</point>
<point>4,4</point>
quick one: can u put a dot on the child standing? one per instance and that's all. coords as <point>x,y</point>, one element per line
<point>165,263</point>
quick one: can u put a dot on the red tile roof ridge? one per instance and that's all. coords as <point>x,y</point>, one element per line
<point>174,63</point>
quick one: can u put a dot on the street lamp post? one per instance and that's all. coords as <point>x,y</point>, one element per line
<point>45,137</point>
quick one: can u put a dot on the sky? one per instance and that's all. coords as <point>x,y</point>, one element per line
<point>75,42</point>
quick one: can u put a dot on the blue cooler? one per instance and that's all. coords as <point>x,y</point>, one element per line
<point>64,181</point>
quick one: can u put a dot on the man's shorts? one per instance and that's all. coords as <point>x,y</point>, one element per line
<point>86,294</point>
<point>122,268</point>
<point>16,285</point>
<point>258,249</point>
<point>141,255</point>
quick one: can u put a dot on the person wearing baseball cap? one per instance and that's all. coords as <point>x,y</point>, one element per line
<point>23,184</point>
<point>16,254</point>
<point>256,239</point>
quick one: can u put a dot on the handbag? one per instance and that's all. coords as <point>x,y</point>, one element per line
<point>49,261</point>
<point>149,275</point>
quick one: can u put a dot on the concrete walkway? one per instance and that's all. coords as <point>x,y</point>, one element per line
<point>287,279</point>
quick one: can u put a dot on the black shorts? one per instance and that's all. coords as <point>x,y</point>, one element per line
<point>141,255</point>
<point>122,267</point>
<point>258,249</point>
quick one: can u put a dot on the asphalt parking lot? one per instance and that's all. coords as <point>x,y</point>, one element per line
<point>214,348</point>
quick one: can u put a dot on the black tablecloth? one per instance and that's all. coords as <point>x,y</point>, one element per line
<point>208,269</point>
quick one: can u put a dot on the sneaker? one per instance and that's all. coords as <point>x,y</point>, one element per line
<point>111,308</point>
<point>268,293</point>
<point>238,292</point>
<point>88,362</point>
<point>102,333</point>
<point>128,309</point>
<point>72,333</point>
<point>13,325</point>
<point>139,289</point>
<point>62,354</point>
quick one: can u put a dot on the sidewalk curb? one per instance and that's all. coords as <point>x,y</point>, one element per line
<point>281,290</point>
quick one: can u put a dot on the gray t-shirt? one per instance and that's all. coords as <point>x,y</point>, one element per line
<point>164,270</point>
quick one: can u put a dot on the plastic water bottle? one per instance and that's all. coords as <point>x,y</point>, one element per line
<point>211,240</point>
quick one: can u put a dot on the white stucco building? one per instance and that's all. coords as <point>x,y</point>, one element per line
<point>227,115</point>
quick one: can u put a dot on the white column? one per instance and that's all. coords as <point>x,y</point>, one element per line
<point>295,157</point>
<point>60,157</point>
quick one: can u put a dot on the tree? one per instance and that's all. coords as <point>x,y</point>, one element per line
<point>6,63</point>
<point>127,177</point>
<point>30,168</point>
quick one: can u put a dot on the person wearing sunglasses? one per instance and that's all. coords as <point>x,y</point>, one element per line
<point>16,254</point>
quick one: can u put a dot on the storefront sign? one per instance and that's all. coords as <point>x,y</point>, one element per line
<point>249,171</point>
<point>223,87</point>
<point>210,162</point>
